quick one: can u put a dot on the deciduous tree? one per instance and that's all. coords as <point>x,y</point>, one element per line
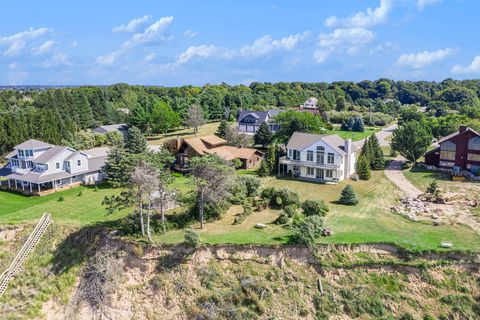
<point>411,140</point>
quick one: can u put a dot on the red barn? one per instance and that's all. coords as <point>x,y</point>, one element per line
<point>461,149</point>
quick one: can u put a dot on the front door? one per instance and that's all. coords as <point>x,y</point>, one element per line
<point>319,174</point>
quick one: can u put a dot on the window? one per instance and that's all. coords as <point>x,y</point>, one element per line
<point>309,155</point>
<point>21,153</point>
<point>474,143</point>
<point>331,158</point>
<point>28,153</point>
<point>15,162</point>
<point>473,157</point>
<point>329,173</point>
<point>310,171</point>
<point>296,155</point>
<point>79,162</point>
<point>57,165</point>
<point>447,150</point>
<point>289,153</point>
<point>29,164</point>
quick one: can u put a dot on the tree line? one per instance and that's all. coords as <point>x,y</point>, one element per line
<point>56,115</point>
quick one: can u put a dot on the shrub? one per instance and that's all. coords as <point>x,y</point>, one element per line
<point>251,185</point>
<point>314,208</point>
<point>348,196</point>
<point>95,189</point>
<point>80,194</point>
<point>192,238</point>
<point>247,210</point>
<point>309,230</point>
<point>282,219</point>
<point>61,199</point>
<point>237,163</point>
<point>290,210</point>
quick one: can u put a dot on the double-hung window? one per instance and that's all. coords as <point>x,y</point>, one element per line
<point>309,155</point>
<point>310,171</point>
<point>330,158</point>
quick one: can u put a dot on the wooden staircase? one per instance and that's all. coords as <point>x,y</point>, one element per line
<point>27,248</point>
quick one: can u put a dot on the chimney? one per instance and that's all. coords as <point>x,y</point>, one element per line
<point>463,129</point>
<point>348,150</point>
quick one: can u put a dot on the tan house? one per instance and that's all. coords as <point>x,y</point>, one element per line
<point>184,149</point>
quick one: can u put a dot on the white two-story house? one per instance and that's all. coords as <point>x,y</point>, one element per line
<point>322,158</point>
<point>35,166</point>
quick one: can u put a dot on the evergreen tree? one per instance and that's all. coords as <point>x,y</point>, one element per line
<point>363,168</point>
<point>348,196</point>
<point>377,160</point>
<point>136,142</point>
<point>264,169</point>
<point>358,125</point>
<point>272,157</point>
<point>222,129</point>
<point>139,117</point>
<point>263,135</point>
<point>366,149</point>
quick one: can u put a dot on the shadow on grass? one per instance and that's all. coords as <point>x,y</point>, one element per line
<point>437,175</point>
<point>286,239</point>
<point>80,245</point>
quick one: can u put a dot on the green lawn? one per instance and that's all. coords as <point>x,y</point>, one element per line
<point>84,209</point>
<point>204,130</point>
<point>355,136</point>
<point>422,178</point>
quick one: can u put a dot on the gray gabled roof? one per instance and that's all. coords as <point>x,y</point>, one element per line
<point>50,154</point>
<point>302,140</point>
<point>260,116</point>
<point>33,144</point>
<point>112,127</point>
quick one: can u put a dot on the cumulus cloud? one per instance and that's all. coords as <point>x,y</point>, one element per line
<point>473,67</point>
<point>421,4</point>
<point>423,59</point>
<point>134,25</point>
<point>261,47</point>
<point>151,35</point>
<point>57,59</point>
<point>349,40</point>
<point>45,47</point>
<point>18,42</point>
<point>363,19</point>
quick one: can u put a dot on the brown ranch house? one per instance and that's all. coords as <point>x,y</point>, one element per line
<point>460,149</point>
<point>184,149</point>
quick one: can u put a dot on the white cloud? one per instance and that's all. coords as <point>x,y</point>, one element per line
<point>13,66</point>
<point>349,40</point>
<point>423,59</point>
<point>421,4</point>
<point>261,47</point>
<point>363,19</point>
<point>473,67</point>
<point>133,25</point>
<point>19,41</point>
<point>150,57</point>
<point>267,44</point>
<point>190,33</point>
<point>151,35</point>
<point>46,47</point>
<point>74,44</point>
<point>59,58</point>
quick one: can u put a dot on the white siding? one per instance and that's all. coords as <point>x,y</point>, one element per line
<point>74,167</point>
<point>52,167</point>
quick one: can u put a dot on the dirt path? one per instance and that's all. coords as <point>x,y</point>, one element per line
<point>394,173</point>
<point>382,135</point>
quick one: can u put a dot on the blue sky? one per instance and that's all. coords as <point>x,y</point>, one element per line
<point>196,42</point>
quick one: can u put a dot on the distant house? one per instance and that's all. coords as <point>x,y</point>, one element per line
<point>37,167</point>
<point>185,149</point>
<point>311,103</point>
<point>249,121</point>
<point>321,158</point>
<point>460,149</point>
<point>119,127</point>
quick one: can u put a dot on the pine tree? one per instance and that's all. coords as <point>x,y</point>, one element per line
<point>348,196</point>
<point>366,149</point>
<point>272,157</point>
<point>263,135</point>
<point>377,160</point>
<point>222,129</point>
<point>136,142</point>
<point>363,168</point>
<point>264,169</point>
<point>358,125</point>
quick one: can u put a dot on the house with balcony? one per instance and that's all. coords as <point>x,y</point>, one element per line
<point>460,149</point>
<point>249,121</point>
<point>320,158</point>
<point>36,167</point>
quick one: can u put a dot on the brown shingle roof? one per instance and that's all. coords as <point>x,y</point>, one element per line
<point>450,136</point>
<point>229,153</point>
<point>213,140</point>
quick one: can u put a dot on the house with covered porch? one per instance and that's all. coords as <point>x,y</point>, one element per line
<point>36,167</point>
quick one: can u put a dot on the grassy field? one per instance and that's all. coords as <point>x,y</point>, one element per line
<point>205,130</point>
<point>369,221</point>
<point>422,178</point>
<point>355,136</point>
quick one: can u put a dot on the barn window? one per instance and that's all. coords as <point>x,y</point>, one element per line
<point>474,143</point>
